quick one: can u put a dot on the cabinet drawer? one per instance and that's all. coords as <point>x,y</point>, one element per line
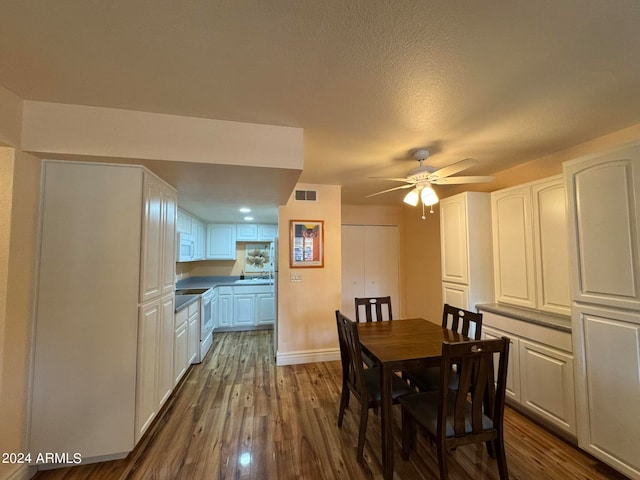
<point>548,336</point>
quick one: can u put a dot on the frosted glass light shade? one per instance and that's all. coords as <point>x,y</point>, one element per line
<point>412,198</point>
<point>428,196</point>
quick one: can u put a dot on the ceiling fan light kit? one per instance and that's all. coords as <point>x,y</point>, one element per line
<point>421,178</point>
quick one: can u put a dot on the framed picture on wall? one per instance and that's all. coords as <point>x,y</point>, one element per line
<point>307,244</point>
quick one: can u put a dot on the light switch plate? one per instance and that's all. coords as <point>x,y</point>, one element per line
<point>296,277</point>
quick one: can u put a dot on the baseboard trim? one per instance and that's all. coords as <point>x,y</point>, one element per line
<point>23,472</point>
<point>307,356</point>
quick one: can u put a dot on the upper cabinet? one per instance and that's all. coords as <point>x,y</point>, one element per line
<point>252,232</point>
<point>221,241</point>
<point>465,240</point>
<point>531,263</point>
<point>603,195</point>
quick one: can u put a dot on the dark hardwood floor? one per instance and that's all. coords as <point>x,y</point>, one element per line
<point>238,416</point>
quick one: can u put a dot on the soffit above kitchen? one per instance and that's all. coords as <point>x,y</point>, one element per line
<point>503,82</point>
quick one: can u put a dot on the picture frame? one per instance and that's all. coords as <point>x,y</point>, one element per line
<point>306,248</point>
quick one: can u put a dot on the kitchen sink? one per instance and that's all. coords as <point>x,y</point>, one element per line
<point>191,291</point>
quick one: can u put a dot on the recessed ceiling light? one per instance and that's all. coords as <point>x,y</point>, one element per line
<point>245,210</point>
<point>248,219</point>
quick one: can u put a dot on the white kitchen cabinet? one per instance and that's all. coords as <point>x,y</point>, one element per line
<point>604,210</point>
<point>165,351</point>
<point>465,241</point>
<point>193,331</point>
<point>200,240</point>
<point>246,232</point>
<point>181,345</point>
<point>168,256</point>
<point>531,264</point>
<point>603,193</point>
<point>244,309</point>
<point>370,265</point>
<point>513,370</point>
<point>608,362</point>
<point>540,374</point>
<point>221,241</point>
<point>100,309</point>
<point>265,309</point>
<point>267,232</point>
<point>225,307</point>
<point>149,329</point>
<point>184,222</point>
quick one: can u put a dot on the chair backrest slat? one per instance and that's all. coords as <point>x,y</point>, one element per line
<point>372,307</point>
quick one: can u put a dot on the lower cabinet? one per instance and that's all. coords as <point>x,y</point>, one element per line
<point>540,375</point>
<point>155,360</point>
<point>244,307</point>
<point>193,333</point>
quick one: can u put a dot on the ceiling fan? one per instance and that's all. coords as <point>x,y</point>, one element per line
<point>421,178</point>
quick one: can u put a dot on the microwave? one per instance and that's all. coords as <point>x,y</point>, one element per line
<point>186,251</point>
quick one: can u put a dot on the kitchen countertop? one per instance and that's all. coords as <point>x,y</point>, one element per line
<point>549,320</point>
<point>182,301</point>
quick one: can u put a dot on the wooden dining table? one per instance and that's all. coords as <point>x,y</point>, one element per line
<point>401,345</point>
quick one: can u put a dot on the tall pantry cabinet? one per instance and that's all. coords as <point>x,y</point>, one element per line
<point>465,242</point>
<point>103,340</point>
<point>604,213</point>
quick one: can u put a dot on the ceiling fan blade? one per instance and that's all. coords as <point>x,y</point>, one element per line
<point>459,180</point>
<point>395,179</point>
<point>453,168</point>
<point>389,190</point>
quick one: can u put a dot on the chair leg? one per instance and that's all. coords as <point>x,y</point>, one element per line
<point>364,417</point>
<point>442,460</point>
<point>501,457</point>
<point>344,403</point>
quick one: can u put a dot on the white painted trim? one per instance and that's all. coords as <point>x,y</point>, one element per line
<point>23,472</point>
<point>308,356</point>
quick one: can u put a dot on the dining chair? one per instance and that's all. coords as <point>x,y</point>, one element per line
<point>372,308</point>
<point>363,383</point>
<point>473,413</point>
<point>460,321</point>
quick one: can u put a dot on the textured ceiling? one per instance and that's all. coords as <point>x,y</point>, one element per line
<point>499,81</point>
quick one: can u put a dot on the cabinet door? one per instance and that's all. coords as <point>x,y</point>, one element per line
<point>513,249</point>
<point>265,309</point>
<point>180,352</point>
<point>546,384</point>
<point>165,352</point>
<point>513,365</point>
<point>607,345</point>
<point>199,240</point>
<point>193,338</point>
<point>152,239</point>
<point>244,310</point>
<point>551,244</point>
<point>169,240</point>
<point>149,327</point>
<point>246,232</point>
<point>453,240</point>
<point>603,195</point>
<point>184,222</point>
<point>221,241</point>
<point>267,233</point>
<point>225,310</point>
<point>456,295</point>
